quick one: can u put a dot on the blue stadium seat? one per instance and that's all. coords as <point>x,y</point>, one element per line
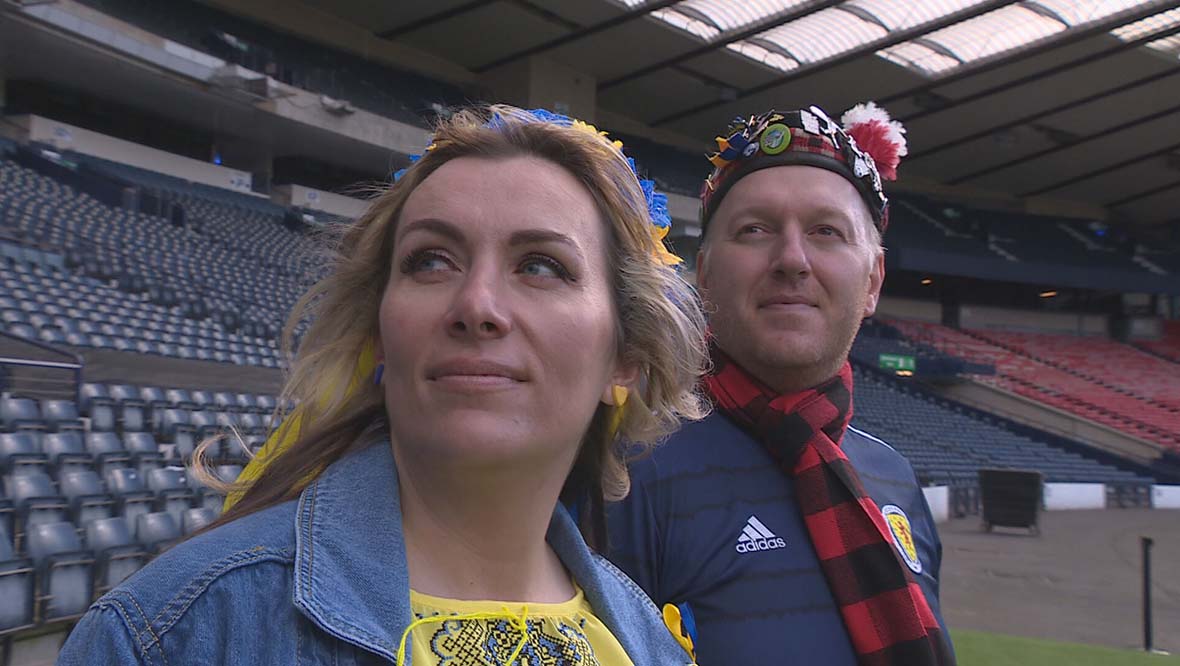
<point>133,412</point>
<point>194,519</point>
<point>117,553</point>
<point>60,415</point>
<point>35,499</point>
<point>52,335</point>
<point>66,451</point>
<point>16,589</point>
<point>132,496</point>
<point>20,413</point>
<point>180,398</point>
<point>87,496</point>
<point>108,450</point>
<point>171,489</point>
<point>65,569</point>
<point>21,451</point>
<point>157,531</point>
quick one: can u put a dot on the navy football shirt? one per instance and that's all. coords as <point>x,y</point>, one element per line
<point>711,525</point>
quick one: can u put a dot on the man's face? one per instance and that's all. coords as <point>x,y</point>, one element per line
<point>789,269</point>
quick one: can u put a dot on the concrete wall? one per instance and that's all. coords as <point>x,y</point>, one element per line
<point>67,137</point>
<point>939,499</point>
<point>306,197</point>
<point>908,308</point>
<point>304,20</point>
<point>982,316</point>
<point>1066,496</point>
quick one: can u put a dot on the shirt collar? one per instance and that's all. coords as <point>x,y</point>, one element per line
<point>350,573</point>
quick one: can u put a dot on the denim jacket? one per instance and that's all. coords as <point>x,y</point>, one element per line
<point>318,580</point>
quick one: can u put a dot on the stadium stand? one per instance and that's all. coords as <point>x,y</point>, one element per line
<point>217,294</point>
<point>949,443</point>
<point>1071,373</point>
<point>1168,346</point>
<point>383,90</point>
<point>80,510</point>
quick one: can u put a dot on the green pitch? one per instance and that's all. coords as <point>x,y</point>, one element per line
<point>976,648</point>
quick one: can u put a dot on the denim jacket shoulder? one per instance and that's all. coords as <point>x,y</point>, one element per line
<point>321,580</point>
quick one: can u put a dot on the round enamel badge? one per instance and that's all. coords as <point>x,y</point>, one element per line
<point>775,139</point>
<point>903,536</point>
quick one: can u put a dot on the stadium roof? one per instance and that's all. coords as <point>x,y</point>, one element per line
<point>1077,100</point>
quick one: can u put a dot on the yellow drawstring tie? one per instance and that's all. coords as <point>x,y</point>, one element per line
<point>519,621</point>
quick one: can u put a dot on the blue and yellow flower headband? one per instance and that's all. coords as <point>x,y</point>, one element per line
<point>657,202</point>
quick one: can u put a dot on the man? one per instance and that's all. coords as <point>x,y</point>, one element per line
<point>780,533</point>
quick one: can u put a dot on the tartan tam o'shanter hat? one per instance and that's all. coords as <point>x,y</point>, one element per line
<point>865,148</point>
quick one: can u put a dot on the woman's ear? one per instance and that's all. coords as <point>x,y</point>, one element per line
<point>625,376</point>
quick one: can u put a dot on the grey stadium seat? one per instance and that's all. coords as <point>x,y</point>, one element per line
<point>116,552</point>
<point>65,569</point>
<point>16,589</point>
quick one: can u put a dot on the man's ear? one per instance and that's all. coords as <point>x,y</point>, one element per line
<point>876,280</point>
<point>702,269</point>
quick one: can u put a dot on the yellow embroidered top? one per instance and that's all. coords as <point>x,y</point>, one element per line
<point>561,634</point>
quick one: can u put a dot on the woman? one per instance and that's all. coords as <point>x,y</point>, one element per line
<point>513,292</point>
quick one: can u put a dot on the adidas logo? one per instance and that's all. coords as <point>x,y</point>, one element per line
<point>755,537</point>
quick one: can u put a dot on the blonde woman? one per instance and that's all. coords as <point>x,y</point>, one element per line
<point>515,297</point>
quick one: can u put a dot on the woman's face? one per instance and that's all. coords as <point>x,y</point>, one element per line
<point>497,323</point>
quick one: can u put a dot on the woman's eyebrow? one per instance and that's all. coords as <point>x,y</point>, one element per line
<point>433,225</point>
<point>535,236</point>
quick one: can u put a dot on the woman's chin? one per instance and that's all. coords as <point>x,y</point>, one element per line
<point>481,437</point>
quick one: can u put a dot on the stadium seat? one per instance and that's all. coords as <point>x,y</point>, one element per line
<point>116,552</point>
<point>157,531</point>
<point>194,519</point>
<point>35,499</point>
<point>132,496</point>
<point>20,414</point>
<point>87,497</point>
<point>145,453</point>
<point>108,451</point>
<point>180,398</point>
<point>65,569</point>
<point>66,451</point>
<point>171,489</point>
<point>60,415</point>
<point>16,589</point>
<point>133,412</point>
<point>21,451</point>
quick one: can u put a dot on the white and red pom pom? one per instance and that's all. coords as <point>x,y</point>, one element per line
<point>878,135</point>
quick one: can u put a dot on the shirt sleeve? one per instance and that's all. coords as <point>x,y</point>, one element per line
<point>935,565</point>
<point>635,532</point>
<point>100,638</point>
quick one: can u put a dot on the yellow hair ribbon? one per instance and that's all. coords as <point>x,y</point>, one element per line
<point>283,436</point>
<point>519,621</point>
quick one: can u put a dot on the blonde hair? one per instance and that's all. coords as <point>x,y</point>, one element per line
<point>660,327</point>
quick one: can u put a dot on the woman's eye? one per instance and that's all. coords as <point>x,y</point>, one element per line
<point>425,261</point>
<point>542,266</point>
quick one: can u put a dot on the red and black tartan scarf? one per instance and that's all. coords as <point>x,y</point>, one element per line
<point>885,612</point>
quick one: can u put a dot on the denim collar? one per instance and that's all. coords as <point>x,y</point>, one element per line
<point>350,573</point>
